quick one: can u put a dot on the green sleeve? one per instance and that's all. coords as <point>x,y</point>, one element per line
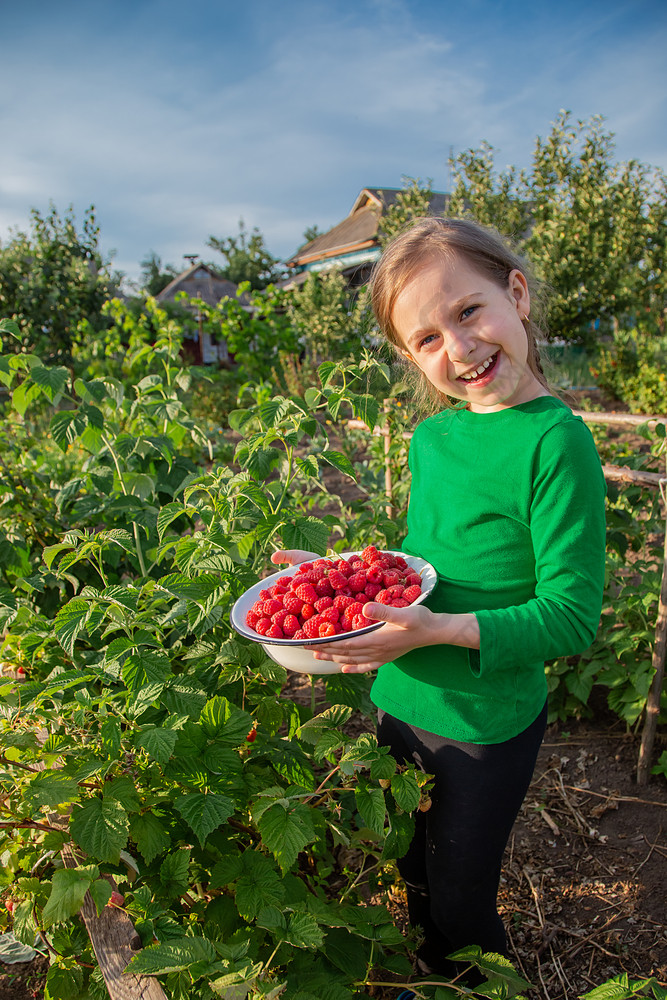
<point>567,526</point>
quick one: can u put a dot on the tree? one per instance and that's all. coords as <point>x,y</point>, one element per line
<point>155,277</point>
<point>411,203</point>
<point>51,279</point>
<point>593,229</point>
<point>247,258</point>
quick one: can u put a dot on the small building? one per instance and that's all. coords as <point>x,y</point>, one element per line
<point>199,281</point>
<point>353,245</point>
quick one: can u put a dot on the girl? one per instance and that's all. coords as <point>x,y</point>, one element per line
<point>507,502</point>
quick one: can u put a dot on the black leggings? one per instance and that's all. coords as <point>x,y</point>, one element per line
<point>452,868</point>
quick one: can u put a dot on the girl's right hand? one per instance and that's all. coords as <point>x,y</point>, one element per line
<point>293,556</point>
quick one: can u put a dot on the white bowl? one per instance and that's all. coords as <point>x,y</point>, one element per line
<point>296,654</point>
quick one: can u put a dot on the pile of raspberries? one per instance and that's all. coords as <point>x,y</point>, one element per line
<point>326,597</point>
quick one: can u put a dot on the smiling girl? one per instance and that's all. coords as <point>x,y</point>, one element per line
<point>507,503</point>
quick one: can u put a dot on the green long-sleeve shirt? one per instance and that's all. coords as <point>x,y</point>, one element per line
<point>509,508</point>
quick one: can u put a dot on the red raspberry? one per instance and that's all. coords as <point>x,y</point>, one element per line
<point>275,632</point>
<point>374,575</point>
<point>307,611</point>
<point>263,626</point>
<point>369,554</point>
<point>284,581</point>
<point>371,589</point>
<point>383,597</point>
<point>278,589</point>
<point>337,579</point>
<point>327,629</point>
<point>324,587</point>
<point>292,604</point>
<point>264,595</point>
<point>312,627</point>
<point>257,607</point>
<point>411,593</point>
<point>356,565</point>
<point>391,577</point>
<point>279,617</point>
<point>344,567</point>
<point>400,562</point>
<point>342,601</point>
<point>324,602</point>
<point>299,634</point>
<point>252,618</point>
<point>298,580</point>
<point>305,567</point>
<point>382,562</point>
<point>271,606</point>
<point>290,625</point>
<point>331,615</point>
<point>412,578</point>
<point>322,564</point>
<point>396,591</point>
<point>307,593</point>
<point>357,582</point>
<point>400,603</point>
<point>360,621</point>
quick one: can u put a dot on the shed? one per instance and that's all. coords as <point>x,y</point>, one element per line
<point>200,281</point>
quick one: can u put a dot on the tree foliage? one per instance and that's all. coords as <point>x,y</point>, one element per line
<point>593,228</point>
<point>51,279</point>
<point>411,203</point>
<point>247,258</point>
<point>154,275</point>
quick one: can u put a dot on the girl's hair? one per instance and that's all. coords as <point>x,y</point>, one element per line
<point>483,248</point>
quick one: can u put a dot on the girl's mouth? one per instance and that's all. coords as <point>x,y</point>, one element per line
<point>481,373</point>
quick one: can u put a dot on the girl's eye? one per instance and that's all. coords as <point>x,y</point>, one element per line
<point>468,311</point>
<point>428,339</point>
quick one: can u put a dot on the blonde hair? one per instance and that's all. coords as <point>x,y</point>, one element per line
<point>483,248</point>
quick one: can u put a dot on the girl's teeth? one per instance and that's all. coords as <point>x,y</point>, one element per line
<point>478,371</point>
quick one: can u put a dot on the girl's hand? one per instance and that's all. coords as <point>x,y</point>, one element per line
<point>407,628</point>
<point>293,556</point>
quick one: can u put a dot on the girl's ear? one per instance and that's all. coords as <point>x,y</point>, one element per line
<point>518,289</point>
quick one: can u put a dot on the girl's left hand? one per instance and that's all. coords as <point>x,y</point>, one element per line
<point>407,629</point>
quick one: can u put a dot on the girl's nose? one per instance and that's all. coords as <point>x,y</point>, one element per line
<point>458,344</point>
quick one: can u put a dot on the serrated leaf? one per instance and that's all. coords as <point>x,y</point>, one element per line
<point>100,892</point>
<point>63,982</point>
<point>405,790</point>
<point>145,667</point>
<point>204,812</point>
<point>167,515</point>
<point>222,721</point>
<point>68,889</point>
<point>52,381</point>
<point>286,832</point>
<point>69,621</point>
<point>149,835</point>
<point>100,827</point>
<point>158,743</point>
<point>308,533</point>
<point>371,805</point>
<point>339,461</point>
<point>170,956</point>
<point>50,788</point>
<point>260,886</point>
<point>174,871</point>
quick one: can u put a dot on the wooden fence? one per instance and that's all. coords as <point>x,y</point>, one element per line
<point>617,474</point>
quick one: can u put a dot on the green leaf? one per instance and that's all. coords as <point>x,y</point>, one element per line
<point>145,667</point>
<point>222,721</point>
<point>204,812</point>
<point>167,515</point>
<point>123,789</point>
<point>100,827</point>
<point>100,892</point>
<point>157,742</point>
<point>260,886</point>
<point>308,533</point>
<point>340,462</point>
<point>405,790</point>
<point>170,956</point>
<point>63,982</point>
<point>52,381</point>
<point>23,396</point>
<point>68,889</point>
<point>286,832</point>
<point>174,872</point>
<point>303,931</point>
<point>347,952</point>
<point>50,788</point>
<point>371,806</point>
<point>69,621</point>
<point>150,836</point>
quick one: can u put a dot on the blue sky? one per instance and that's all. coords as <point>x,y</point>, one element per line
<point>176,119</point>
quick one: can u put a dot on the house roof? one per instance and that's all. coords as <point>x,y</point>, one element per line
<point>201,282</point>
<point>359,230</point>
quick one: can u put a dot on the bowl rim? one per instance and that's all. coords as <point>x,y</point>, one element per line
<point>240,626</point>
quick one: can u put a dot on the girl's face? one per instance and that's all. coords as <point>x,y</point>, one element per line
<point>466,334</point>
